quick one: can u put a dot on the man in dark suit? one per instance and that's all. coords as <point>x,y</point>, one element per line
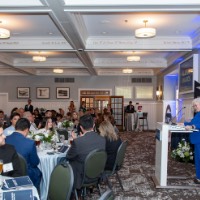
<point>28,107</point>
<point>10,158</point>
<point>82,146</point>
<point>27,148</point>
<point>130,108</point>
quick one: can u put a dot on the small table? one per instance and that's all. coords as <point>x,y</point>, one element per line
<point>130,121</point>
<point>47,164</point>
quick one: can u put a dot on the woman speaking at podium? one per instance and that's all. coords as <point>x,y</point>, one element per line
<point>195,136</point>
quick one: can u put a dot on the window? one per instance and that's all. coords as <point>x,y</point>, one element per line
<point>144,92</point>
<point>126,92</point>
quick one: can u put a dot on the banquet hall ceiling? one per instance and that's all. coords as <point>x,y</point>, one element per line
<point>95,38</point>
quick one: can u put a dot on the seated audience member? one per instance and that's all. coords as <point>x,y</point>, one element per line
<point>112,143</point>
<point>61,111</point>
<point>38,117</point>
<point>130,108</point>
<point>98,120</point>
<point>21,112</point>
<point>46,126</point>
<point>28,115</point>
<point>68,116</point>
<point>13,119</point>
<point>27,148</point>
<point>59,120</point>
<point>4,119</point>
<point>15,109</point>
<point>10,157</point>
<point>82,146</point>
<point>111,119</point>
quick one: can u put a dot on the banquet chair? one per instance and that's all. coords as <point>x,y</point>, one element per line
<point>63,132</point>
<point>117,165</point>
<point>144,121</point>
<point>93,171</point>
<point>61,182</point>
<point>107,195</point>
<point>23,165</point>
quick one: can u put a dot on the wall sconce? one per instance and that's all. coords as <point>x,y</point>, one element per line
<point>159,93</point>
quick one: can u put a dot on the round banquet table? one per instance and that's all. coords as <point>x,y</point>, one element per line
<point>47,164</point>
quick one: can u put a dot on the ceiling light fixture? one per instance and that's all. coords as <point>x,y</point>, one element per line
<point>58,71</point>
<point>127,71</point>
<point>145,32</point>
<point>133,58</point>
<point>4,33</point>
<point>39,58</point>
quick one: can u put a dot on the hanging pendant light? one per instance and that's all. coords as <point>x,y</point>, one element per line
<point>4,33</point>
<point>145,32</point>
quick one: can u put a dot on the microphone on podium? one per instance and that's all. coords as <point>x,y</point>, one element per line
<point>173,123</point>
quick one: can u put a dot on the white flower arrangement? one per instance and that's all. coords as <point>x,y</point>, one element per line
<point>183,152</point>
<point>67,124</point>
<point>46,137</point>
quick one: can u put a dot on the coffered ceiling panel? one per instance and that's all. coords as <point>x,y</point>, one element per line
<point>95,38</point>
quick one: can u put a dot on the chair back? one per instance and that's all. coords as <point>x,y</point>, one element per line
<point>94,165</point>
<point>23,164</point>
<point>61,182</point>
<point>120,156</point>
<point>107,195</point>
<point>63,132</point>
<point>145,114</point>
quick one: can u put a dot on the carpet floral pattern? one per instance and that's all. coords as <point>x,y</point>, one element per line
<point>138,168</point>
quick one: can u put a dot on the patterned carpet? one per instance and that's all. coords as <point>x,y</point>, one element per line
<point>138,168</point>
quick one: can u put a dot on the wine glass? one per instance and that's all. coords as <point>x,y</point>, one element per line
<point>1,166</point>
<point>1,169</point>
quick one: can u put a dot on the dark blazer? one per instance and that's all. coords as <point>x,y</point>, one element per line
<point>9,155</point>
<point>27,148</point>
<point>130,109</point>
<point>28,108</point>
<point>78,151</point>
<point>111,150</point>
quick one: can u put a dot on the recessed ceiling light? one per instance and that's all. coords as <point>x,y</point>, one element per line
<point>39,58</point>
<point>50,33</point>
<point>58,71</point>
<point>127,71</point>
<point>104,32</point>
<point>133,58</point>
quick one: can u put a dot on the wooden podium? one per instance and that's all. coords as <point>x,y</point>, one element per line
<point>161,161</point>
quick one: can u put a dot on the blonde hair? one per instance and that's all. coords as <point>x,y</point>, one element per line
<point>106,129</point>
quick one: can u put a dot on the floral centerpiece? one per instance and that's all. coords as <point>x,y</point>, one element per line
<point>183,152</point>
<point>46,137</point>
<point>67,124</point>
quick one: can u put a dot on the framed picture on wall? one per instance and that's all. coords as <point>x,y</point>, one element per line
<point>23,92</point>
<point>43,93</point>
<point>62,93</point>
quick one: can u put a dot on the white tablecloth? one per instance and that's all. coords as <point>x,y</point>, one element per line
<point>35,192</point>
<point>47,164</point>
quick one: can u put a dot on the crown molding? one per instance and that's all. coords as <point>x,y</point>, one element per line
<point>35,44</point>
<point>157,43</point>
